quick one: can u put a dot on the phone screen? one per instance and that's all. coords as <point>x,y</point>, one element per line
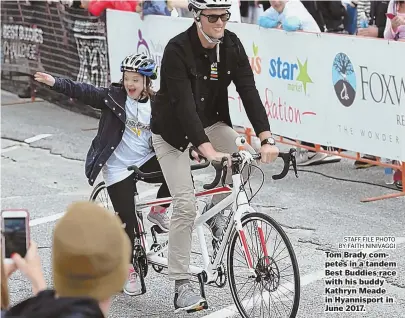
<point>15,236</point>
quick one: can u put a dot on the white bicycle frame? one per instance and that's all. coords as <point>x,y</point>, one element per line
<point>240,204</point>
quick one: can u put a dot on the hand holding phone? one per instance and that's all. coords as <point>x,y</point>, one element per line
<point>390,16</point>
<point>15,230</point>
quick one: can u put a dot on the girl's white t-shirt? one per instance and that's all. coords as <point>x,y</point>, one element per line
<point>135,147</point>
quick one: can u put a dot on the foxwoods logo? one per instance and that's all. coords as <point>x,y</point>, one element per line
<point>344,79</point>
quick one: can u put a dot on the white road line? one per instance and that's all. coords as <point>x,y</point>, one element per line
<point>36,138</point>
<point>305,280</point>
<point>11,148</point>
<point>46,219</point>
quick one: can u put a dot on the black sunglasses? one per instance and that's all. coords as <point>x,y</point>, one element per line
<point>212,18</point>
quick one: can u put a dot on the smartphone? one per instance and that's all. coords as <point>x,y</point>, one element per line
<point>15,233</point>
<point>390,16</point>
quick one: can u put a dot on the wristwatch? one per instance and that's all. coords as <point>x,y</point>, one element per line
<point>268,141</point>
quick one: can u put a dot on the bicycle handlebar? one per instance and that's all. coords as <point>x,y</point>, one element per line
<point>221,168</point>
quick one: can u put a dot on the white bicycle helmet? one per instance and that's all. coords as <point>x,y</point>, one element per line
<point>198,5</point>
<point>140,63</point>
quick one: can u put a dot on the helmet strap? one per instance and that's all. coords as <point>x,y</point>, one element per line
<point>211,40</point>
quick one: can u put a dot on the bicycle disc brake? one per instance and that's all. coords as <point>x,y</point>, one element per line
<point>268,274</point>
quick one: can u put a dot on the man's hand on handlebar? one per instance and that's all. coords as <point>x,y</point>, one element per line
<point>218,156</point>
<point>211,154</point>
<point>269,153</point>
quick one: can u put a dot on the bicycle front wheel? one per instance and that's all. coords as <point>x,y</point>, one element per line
<point>275,291</point>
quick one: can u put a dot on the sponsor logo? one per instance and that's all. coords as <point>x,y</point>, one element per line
<point>296,74</point>
<point>344,79</point>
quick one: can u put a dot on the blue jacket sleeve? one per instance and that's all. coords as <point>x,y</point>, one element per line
<point>156,8</point>
<point>269,19</point>
<point>86,93</point>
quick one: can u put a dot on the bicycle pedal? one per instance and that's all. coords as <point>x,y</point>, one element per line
<point>158,230</point>
<point>201,306</point>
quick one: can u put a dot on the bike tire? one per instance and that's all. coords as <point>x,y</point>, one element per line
<point>96,190</point>
<point>142,266</point>
<point>232,272</point>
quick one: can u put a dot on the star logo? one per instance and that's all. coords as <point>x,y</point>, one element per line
<point>303,76</point>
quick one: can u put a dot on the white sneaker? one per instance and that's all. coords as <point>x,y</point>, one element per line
<point>188,299</point>
<point>160,218</point>
<point>133,285</point>
<point>307,158</point>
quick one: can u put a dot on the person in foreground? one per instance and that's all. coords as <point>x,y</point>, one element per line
<point>90,256</point>
<point>191,108</point>
<point>124,139</point>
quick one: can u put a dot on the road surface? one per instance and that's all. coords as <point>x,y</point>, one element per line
<point>42,170</point>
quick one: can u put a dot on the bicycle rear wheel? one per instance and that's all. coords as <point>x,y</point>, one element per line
<point>100,196</point>
<point>275,265</point>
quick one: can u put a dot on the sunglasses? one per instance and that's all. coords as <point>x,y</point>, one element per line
<point>212,18</point>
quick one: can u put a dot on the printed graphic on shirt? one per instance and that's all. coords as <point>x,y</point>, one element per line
<point>136,126</point>
<point>214,72</point>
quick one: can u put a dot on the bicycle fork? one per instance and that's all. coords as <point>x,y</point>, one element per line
<point>243,206</point>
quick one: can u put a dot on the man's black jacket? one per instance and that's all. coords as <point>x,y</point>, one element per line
<point>174,110</point>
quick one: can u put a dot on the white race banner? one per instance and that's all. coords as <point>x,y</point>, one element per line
<point>333,90</point>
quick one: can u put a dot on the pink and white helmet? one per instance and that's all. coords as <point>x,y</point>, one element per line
<point>198,5</point>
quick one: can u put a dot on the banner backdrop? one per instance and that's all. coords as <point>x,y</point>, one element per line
<point>53,38</point>
<point>342,91</point>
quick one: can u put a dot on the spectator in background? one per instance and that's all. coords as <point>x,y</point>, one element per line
<point>97,7</point>
<point>335,16</point>
<point>289,16</point>
<point>351,15</point>
<point>377,22</point>
<point>250,11</point>
<point>363,10</point>
<point>395,27</point>
<point>181,7</point>
<point>29,266</point>
<point>312,8</point>
<point>89,267</point>
<point>158,7</point>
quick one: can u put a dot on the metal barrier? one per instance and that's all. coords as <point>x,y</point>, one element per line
<point>249,133</point>
<point>55,39</point>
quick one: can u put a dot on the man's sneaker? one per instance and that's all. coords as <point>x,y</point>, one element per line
<point>160,218</point>
<point>308,158</point>
<point>217,223</point>
<point>362,165</point>
<point>133,286</point>
<point>186,298</point>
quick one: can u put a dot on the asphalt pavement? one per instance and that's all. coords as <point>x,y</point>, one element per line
<point>42,170</point>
